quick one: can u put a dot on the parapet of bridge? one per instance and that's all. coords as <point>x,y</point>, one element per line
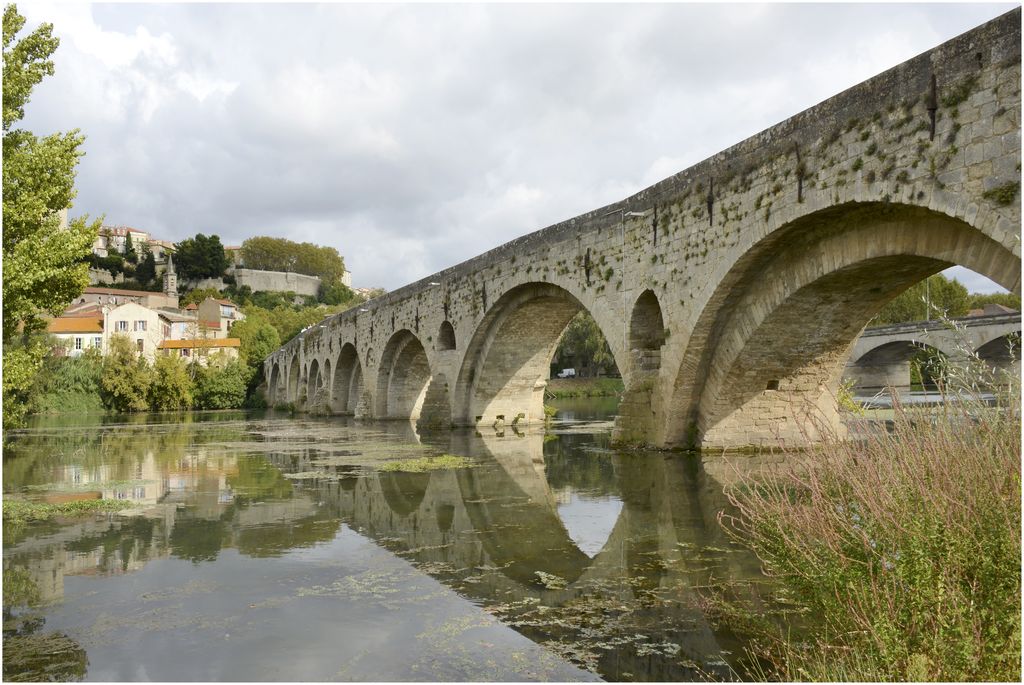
<point>730,293</point>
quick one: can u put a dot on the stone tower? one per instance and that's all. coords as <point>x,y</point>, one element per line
<point>170,278</point>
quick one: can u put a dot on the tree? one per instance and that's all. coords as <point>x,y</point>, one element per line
<point>198,295</point>
<point>145,272</point>
<point>200,257</point>
<point>130,255</point>
<point>335,293</point>
<point>44,267</point>
<point>258,338</point>
<point>71,384</point>
<point>583,347</point>
<point>979,300</point>
<point>945,296</point>
<point>221,385</point>
<point>172,384</point>
<point>280,254</point>
<point>126,376</point>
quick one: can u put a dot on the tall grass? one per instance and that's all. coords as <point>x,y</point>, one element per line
<point>904,545</point>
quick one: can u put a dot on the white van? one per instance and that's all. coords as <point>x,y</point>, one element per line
<point>567,373</point>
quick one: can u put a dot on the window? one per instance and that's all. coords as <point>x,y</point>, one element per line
<point>167,330</point>
<point>184,352</point>
<point>139,344</point>
<point>97,342</point>
<point>140,326</point>
<point>122,326</point>
<point>78,343</point>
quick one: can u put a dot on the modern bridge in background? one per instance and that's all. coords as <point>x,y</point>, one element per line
<point>881,356</point>
<point>732,293</point>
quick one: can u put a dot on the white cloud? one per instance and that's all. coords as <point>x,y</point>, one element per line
<point>413,137</point>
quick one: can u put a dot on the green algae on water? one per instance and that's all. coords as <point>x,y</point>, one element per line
<point>22,511</point>
<point>443,462</point>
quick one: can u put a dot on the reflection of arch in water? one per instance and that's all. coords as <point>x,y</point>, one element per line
<point>403,491</point>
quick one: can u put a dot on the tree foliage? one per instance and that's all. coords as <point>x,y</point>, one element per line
<point>945,296</point>
<point>280,254</point>
<point>126,378</point>
<point>197,295</point>
<point>584,348</point>
<point>130,253</point>
<point>145,272</point>
<point>71,384</point>
<point>221,384</point>
<point>979,300</point>
<point>172,384</point>
<point>44,267</point>
<point>258,338</point>
<point>200,257</point>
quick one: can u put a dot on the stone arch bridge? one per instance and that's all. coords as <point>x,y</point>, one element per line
<point>731,293</point>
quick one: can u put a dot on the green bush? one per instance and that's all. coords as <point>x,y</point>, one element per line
<point>172,384</point>
<point>71,384</point>
<point>221,384</point>
<point>126,377</point>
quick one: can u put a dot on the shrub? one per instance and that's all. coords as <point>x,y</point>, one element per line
<point>906,545</point>
<point>221,384</point>
<point>172,384</point>
<point>126,377</point>
<point>71,384</point>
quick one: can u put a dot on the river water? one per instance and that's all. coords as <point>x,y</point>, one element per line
<point>260,546</point>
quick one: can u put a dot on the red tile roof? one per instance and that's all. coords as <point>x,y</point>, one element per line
<point>75,324</point>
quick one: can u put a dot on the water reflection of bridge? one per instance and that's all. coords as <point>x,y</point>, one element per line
<point>496,535</point>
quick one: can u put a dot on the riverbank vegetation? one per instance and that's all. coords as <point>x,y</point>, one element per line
<point>904,547</point>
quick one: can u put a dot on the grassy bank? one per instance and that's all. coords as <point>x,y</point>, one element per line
<point>905,547</point>
<point>560,388</point>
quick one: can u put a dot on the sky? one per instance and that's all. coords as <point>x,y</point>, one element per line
<point>413,137</point>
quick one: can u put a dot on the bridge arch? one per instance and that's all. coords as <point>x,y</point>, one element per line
<point>446,337</point>
<point>508,358</point>
<point>293,379</point>
<point>312,379</point>
<point>768,349</point>
<point>1002,354</point>
<point>347,384</point>
<point>406,386</point>
<point>274,388</point>
<point>646,332</point>
<point>889,365</point>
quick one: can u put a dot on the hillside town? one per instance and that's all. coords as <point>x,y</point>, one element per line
<point>154,320</point>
